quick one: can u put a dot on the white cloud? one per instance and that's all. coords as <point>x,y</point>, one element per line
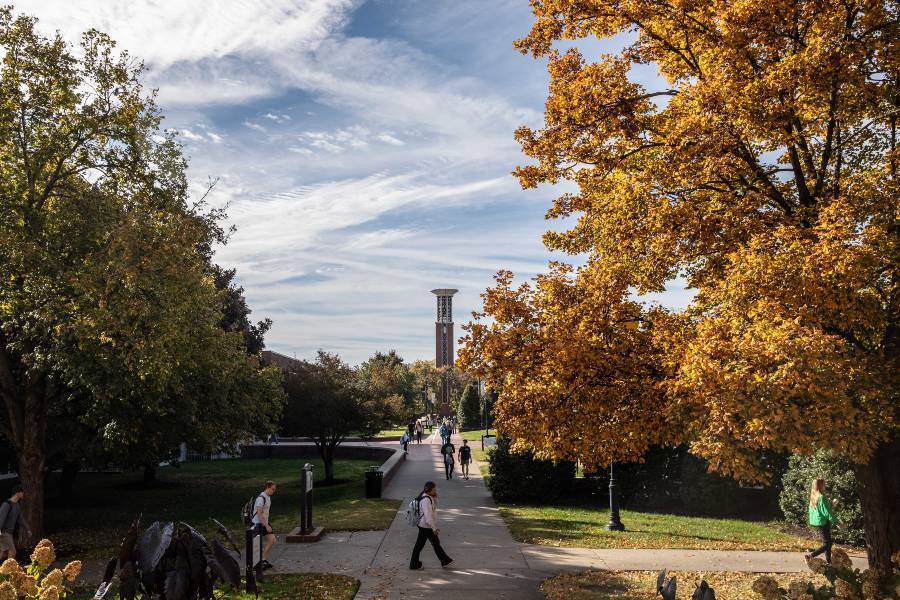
<point>279,118</point>
<point>193,31</point>
<point>255,126</point>
<point>190,135</point>
<point>389,139</point>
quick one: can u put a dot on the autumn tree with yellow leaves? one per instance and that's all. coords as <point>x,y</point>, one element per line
<point>763,171</point>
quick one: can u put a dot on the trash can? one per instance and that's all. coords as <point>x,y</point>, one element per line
<point>374,480</point>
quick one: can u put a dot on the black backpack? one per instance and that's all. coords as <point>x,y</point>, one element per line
<point>248,511</point>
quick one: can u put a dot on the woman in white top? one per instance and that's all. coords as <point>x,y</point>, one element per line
<point>428,529</point>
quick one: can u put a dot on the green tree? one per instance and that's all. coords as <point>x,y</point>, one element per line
<point>108,312</point>
<point>325,404</point>
<point>427,378</point>
<point>391,386</point>
<point>469,409</point>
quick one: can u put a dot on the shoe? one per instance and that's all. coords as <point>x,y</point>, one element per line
<point>266,565</point>
<point>447,564</point>
<point>416,568</point>
<point>807,557</point>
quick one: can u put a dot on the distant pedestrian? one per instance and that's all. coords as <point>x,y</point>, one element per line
<point>261,510</point>
<point>428,529</point>
<point>419,430</point>
<point>444,432</point>
<point>465,457</point>
<point>821,517</point>
<point>404,441</point>
<point>11,519</point>
<point>430,423</point>
<point>448,450</point>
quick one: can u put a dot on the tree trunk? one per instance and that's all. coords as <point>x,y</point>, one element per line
<point>31,477</point>
<point>878,483</point>
<point>150,472</point>
<point>328,458</point>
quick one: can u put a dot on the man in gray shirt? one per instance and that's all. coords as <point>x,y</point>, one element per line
<point>11,519</point>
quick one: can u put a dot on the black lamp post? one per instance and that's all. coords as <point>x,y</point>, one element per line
<point>615,523</point>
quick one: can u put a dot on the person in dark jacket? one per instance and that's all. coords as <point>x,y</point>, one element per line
<point>448,450</point>
<point>11,519</point>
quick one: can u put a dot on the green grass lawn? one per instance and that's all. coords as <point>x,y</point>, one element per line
<point>585,527</point>
<point>391,432</point>
<point>474,436</point>
<point>93,522</point>
<point>301,586</point>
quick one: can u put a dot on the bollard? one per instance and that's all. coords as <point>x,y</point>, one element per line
<point>306,532</point>
<point>253,563</point>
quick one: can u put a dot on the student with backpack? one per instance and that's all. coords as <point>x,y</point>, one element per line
<point>423,514</point>
<point>11,519</point>
<point>404,441</point>
<point>465,457</point>
<point>448,450</point>
<point>256,513</point>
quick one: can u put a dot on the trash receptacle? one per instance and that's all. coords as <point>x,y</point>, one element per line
<point>374,479</point>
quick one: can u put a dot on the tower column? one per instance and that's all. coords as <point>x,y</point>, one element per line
<point>443,343</point>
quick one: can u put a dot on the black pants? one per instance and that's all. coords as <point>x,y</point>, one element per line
<point>448,468</point>
<point>825,534</point>
<point>426,533</point>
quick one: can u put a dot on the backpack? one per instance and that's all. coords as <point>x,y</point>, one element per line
<point>249,510</point>
<point>414,512</point>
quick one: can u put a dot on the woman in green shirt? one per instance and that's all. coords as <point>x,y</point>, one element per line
<point>821,517</point>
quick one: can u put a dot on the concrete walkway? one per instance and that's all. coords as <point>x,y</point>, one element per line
<point>488,563</point>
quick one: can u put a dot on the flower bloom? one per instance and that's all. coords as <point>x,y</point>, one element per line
<point>72,570</point>
<point>8,591</point>
<point>50,593</point>
<point>816,565</point>
<point>43,556</point>
<point>53,578</point>
<point>843,589</point>
<point>26,585</point>
<point>841,559</point>
<point>10,566</point>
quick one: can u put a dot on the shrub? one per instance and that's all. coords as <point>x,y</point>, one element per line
<point>837,472</point>
<point>469,410</point>
<point>522,478</point>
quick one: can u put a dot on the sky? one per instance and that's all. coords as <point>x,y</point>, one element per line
<point>363,150</point>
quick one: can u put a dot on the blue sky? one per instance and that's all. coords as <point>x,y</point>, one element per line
<point>363,150</point>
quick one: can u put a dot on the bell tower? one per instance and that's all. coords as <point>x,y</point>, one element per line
<point>443,343</point>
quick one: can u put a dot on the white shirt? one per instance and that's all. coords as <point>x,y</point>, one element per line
<point>428,512</point>
<point>262,501</point>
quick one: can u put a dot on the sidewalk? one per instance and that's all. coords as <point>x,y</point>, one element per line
<point>488,563</point>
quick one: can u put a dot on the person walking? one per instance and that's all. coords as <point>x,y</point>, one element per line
<point>419,430</point>
<point>821,517</point>
<point>430,423</point>
<point>465,457</point>
<point>448,450</point>
<point>428,529</point>
<point>404,441</point>
<point>261,510</point>
<point>11,519</point>
<point>444,433</point>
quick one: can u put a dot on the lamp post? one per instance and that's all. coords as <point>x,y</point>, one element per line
<point>615,523</point>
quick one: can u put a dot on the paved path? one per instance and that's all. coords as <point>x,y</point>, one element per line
<point>488,563</point>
